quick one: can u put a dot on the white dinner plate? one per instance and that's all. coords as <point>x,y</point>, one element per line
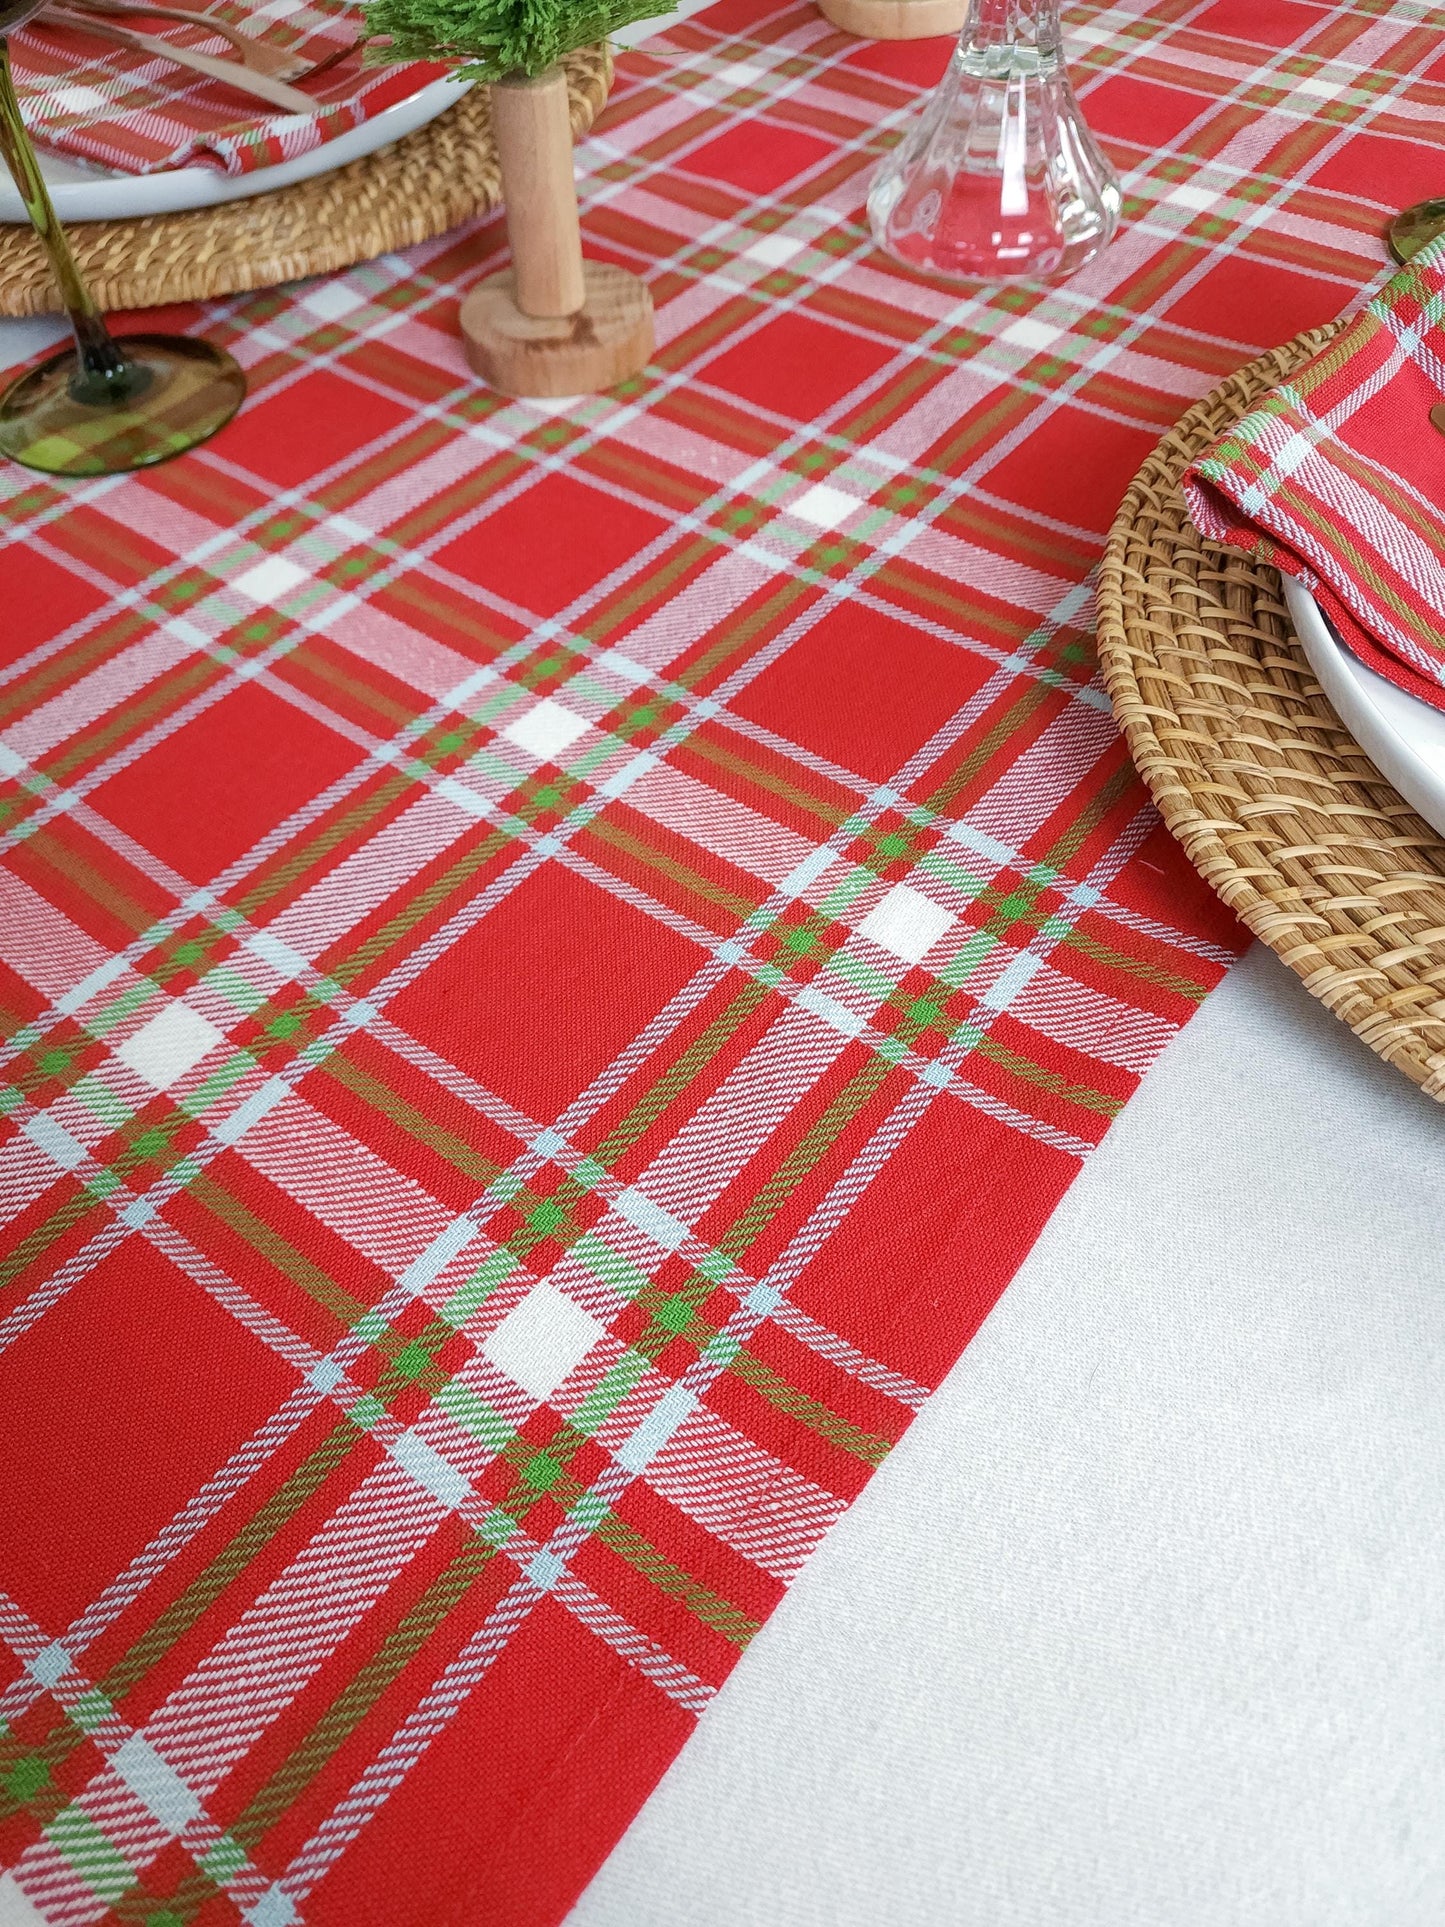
<point>1403,736</point>
<point>83,192</point>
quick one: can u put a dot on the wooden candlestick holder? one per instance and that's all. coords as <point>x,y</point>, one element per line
<point>554,324</point>
<point>896,19</point>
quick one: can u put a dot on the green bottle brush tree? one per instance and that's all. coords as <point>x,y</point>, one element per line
<point>497,39</point>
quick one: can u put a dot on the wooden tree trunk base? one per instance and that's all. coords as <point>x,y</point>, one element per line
<point>896,19</point>
<point>608,339</point>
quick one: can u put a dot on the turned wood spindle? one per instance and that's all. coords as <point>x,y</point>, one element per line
<point>555,323</point>
<point>896,19</point>
<point>533,132</point>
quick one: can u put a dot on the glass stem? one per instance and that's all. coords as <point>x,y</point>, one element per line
<point>1012,23</point>
<point>103,368</point>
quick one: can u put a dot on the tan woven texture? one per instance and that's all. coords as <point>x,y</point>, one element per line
<point>420,186</point>
<point>1277,806</point>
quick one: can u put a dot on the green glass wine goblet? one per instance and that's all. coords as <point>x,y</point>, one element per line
<point>101,405</point>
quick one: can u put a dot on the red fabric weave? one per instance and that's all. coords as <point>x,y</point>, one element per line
<point>1338,479</point>
<point>647,888</point>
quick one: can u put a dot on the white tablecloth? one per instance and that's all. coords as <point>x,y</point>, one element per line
<point>1143,1623</point>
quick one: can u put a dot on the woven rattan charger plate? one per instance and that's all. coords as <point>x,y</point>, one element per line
<point>1277,806</point>
<point>432,180</point>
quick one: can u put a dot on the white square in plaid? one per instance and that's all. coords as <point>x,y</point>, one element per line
<point>1028,333</point>
<point>546,731</point>
<point>78,100</point>
<point>743,74</point>
<point>332,300</point>
<point>825,507</point>
<point>268,581</point>
<point>773,250</point>
<point>169,1045</point>
<point>543,1340</point>
<point>1188,195</point>
<point>907,923</point>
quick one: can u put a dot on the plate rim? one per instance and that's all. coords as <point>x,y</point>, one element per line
<point>1376,711</point>
<point>114,196</point>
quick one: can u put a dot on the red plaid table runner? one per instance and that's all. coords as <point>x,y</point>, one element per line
<point>136,111</point>
<point>1338,477</point>
<point>558,957</point>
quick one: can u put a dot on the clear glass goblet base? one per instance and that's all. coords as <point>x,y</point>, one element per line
<point>997,176</point>
<point>162,395</point>
<point>959,231</point>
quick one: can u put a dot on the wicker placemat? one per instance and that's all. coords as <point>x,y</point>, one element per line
<point>420,186</point>
<point>1275,803</point>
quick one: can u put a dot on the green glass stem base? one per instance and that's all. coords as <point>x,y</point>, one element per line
<point>1416,228</point>
<point>168,393</point>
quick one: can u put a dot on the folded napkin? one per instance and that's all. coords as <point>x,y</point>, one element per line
<point>138,112</point>
<point>1338,479</point>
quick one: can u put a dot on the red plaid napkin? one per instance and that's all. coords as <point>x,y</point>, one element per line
<point>136,111</point>
<point>1338,478</point>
